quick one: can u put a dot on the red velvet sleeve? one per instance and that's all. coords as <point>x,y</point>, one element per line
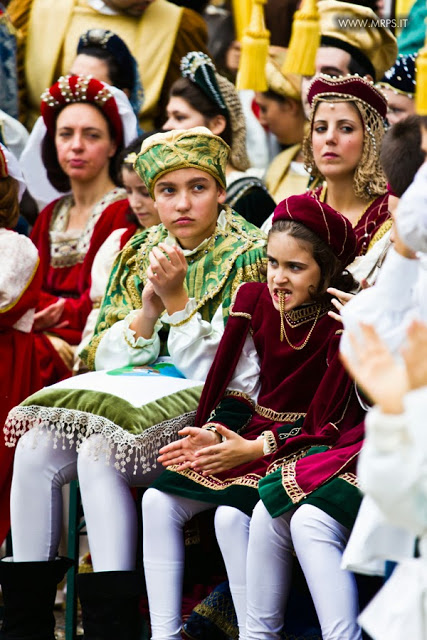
<point>76,310</point>
<point>40,236</point>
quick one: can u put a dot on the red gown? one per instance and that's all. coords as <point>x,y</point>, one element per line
<point>20,283</point>
<point>66,263</point>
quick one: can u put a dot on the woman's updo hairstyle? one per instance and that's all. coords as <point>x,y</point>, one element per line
<point>189,91</point>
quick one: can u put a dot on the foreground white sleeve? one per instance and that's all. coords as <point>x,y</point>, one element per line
<point>246,376</point>
<point>388,305</point>
<point>119,348</point>
<point>192,345</point>
<point>392,467</point>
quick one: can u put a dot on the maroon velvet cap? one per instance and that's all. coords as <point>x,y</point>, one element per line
<point>71,89</point>
<point>348,87</point>
<point>332,227</point>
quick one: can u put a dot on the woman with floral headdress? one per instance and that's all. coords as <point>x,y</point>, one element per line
<point>342,150</point>
<point>84,131</point>
<point>202,97</point>
<point>20,282</point>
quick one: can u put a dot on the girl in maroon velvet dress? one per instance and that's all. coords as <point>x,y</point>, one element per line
<point>85,132</point>
<point>260,409</point>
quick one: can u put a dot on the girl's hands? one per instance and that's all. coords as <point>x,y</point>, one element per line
<point>230,453</point>
<point>167,271</point>
<point>152,304</point>
<point>182,452</point>
<point>50,316</point>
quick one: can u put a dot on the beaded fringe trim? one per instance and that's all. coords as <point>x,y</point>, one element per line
<point>69,428</point>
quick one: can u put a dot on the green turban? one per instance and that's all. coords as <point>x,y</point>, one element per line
<point>196,148</point>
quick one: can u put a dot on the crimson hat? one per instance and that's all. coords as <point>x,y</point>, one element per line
<point>71,89</point>
<point>332,227</point>
<point>347,88</point>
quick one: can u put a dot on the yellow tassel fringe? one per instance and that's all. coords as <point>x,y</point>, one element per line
<point>305,40</point>
<point>255,43</point>
<point>421,79</point>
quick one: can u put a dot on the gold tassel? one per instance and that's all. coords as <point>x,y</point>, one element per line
<point>253,58</point>
<point>241,16</point>
<point>421,80</point>
<point>305,40</point>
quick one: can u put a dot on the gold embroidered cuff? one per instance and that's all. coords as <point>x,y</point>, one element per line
<point>212,426</point>
<point>269,441</point>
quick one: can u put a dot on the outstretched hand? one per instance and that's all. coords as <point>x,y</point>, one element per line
<point>182,451</point>
<point>376,372</point>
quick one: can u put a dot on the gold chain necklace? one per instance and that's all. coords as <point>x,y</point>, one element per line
<point>282,324</point>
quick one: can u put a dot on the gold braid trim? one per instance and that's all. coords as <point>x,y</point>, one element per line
<point>214,483</point>
<point>241,314</point>
<point>295,317</point>
<point>351,478</point>
<point>239,394</point>
<point>386,226</point>
<point>293,489</point>
<point>216,617</point>
<point>278,463</point>
<point>271,441</point>
<point>91,350</point>
<point>290,484</point>
<point>275,416</point>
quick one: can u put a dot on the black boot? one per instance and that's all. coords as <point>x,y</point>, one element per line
<point>110,604</point>
<point>29,590</point>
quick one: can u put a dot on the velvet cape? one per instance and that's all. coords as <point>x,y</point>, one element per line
<point>306,405</point>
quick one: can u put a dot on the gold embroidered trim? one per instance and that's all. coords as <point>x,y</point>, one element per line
<point>275,416</point>
<point>290,484</point>
<point>90,351</point>
<point>386,226</point>
<point>212,482</point>
<point>239,394</point>
<point>295,317</point>
<point>271,441</point>
<point>290,434</point>
<point>351,478</point>
<point>214,613</point>
<point>241,314</point>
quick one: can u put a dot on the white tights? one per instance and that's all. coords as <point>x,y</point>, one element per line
<point>41,470</point>
<point>319,542</point>
<point>164,516</point>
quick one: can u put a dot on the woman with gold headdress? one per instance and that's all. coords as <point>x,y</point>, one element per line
<point>342,151</point>
<point>20,282</point>
<point>175,278</point>
<point>202,97</point>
